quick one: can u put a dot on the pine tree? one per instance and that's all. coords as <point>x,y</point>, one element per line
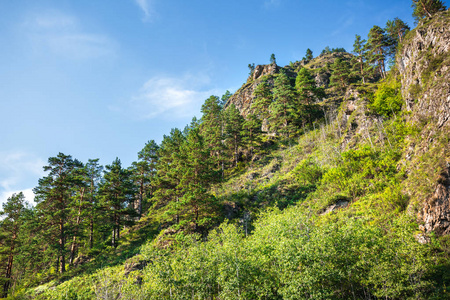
<point>426,8</point>
<point>261,102</point>
<point>308,93</point>
<point>224,99</point>
<point>54,201</point>
<point>10,228</point>
<point>282,109</point>
<point>168,177</point>
<point>117,194</point>
<point>144,170</point>
<point>378,46</point>
<point>360,67</point>
<point>196,174</point>
<point>80,204</point>
<point>212,127</point>
<point>273,60</point>
<point>341,75</point>
<point>251,68</point>
<point>93,176</point>
<point>396,30</point>
<point>233,131</point>
<point>251,133</point>
<point>309,54</point>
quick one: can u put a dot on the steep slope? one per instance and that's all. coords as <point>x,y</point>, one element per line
<point>424,65</point>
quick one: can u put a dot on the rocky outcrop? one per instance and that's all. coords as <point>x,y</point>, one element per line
<point>436,211</point>
<point>243,98</point>
<point>424,65</point>
<point>261,70</point>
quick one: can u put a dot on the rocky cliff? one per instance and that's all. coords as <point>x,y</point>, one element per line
<point>424,65</point>
<point>243,98</point>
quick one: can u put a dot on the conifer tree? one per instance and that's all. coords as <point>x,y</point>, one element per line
<point>196,174</point>
<point>251,68</point>
<point>396,30</point>
<point>117,194</point>
<point>360,67</point>
<point>308,93</point>
<point>426,8</point>
<point>224,99</point>
<point>80,204</point>
<point>273,60</point>
<point>233,131</point>
<point>144,170</point>
<point>54,201</point>
<point>212,127</point>
<point>251,134</point>
<point>11,221</point>
<point>93,176</point>
<point>341,75</point>
<point>168,177</point>
<point>261,102</point>
<point>378,46</point>
<point>309,54</point>
<point>282,109</point>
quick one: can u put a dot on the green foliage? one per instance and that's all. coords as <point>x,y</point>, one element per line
<point>233,134</point>
<point>396,30</point>
<point>341,74</point>
<point>262,101</point>
<point>379,47</point>
<point>283,108</point>
<point>426,8</point>
<point>307,172</point>
<point>117,196</point>
<point>273,59</point>
<point>362,171</point>
<point>309,54</point>
<point>387,100</point>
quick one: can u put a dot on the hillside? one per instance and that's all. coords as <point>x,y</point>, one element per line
<point>328,178</point>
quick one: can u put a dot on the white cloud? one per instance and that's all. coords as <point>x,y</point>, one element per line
<point>147,7</point>
<point>63,35</point>
<point>171,97</point>
<point>271,3</point>
<point>28,193</point>
<point>17,170</point>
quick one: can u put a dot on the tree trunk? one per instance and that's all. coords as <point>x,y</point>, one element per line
<point>74,245</point>
<point>235,150</point>
<point>62,261</point>
<point>7,284</point>
<point>425,8</point>
<point>91,233</point>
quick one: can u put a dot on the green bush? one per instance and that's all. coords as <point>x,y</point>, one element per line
<point>387,100</point>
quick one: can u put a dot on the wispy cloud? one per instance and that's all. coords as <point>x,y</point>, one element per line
<point>343,23</point>
<point>271,3</point>
<point>170,97</point>
<point>28,193</point>
<point>19,169</point>
<point>63,35</point>
<point>147,8</point>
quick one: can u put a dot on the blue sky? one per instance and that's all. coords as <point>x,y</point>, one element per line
<point>98,79</point>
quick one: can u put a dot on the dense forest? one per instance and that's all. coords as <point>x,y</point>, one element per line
<point>328,178</point>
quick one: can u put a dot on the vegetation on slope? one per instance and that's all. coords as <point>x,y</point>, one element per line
<point>318,206</point>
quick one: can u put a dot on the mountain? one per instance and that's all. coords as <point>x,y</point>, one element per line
<point>328,178</point>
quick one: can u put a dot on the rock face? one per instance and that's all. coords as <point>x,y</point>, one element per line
<point>243,98</point>
<point>424,65</point>
<point>436,211</point>
<point>261,70</point>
